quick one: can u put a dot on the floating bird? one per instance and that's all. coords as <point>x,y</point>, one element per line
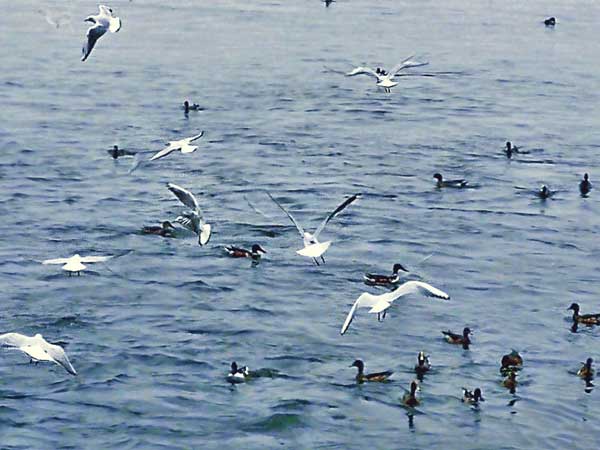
<point>165,229</point>
<point>510,382</point>
<point>103,22</point>
<point>544,192</point>
<point>237,374</point>
<point>472,398</point>
<point>550,21</point>
<point>116,152</point>
<point>238,252</point>
<point>38,349</point>
<point>193,220</point>
<point>510,149</point>
<point>449,183</point>
<point>457,339</point>
<point>380,303</point>
<point>187,107</point>
<point>361,377</point>
<point>586,371</point>
<point>328,2</point>
<point>385,280</point>
<point>75,262</point>
<point>312,247</point>
<point>512,361</point>
<point>182,145</point>
<point>586,319</point>
<point>410,398</point>
<point>385,79</point>
<point>423,365</point>
<point>585,186</point>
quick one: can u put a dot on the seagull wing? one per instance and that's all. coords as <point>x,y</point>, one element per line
<point>298,226</point>
<point>58,355</point>
<point>56,261</point>
<point>365,300</point>
<point>362,70</point>
<point>193,138</point>
<point>94,259</point>
<point>185,148</point>
<point>93,34</point>
<point>167,150</point>
<point>190,220</point>
<point>14,340</point>
<point>184,196</point>
<point>415,286</point>
<point>114,24</point>
<point>334,213</point>
<point>406,64</point>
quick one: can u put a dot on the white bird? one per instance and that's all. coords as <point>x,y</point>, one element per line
<point>193,220</point>
<point>75,262</point>
<point>103,22</point>
<point>386,80</point>
<point>183,145</point>
<point>312,247</point>
<point>38,349</point>
<point>380,303</point>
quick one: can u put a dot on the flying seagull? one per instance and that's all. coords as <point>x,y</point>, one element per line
<point>183,145</point>
<point>75,262</point>
<point>312,247</point>
<point>103,22</point>
<point>386,79</point>
<point>38,349</point>
<point>380,303</point>
<point>193,220</point>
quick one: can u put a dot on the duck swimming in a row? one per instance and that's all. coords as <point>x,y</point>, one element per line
<point>410,398</point>
<point>586,319</point>
<point>511,381</point>
<point>586,372</point>
<point>422,366</point>
<point>457,339</point>
<point>512,361</point>
<point>585,186</point>
<point>385,280</point>
<point>187,107</point>
<point>237,252</point>
<point>165,229</point>
<point>361,377</point>
<point>472,398</point>
<point>237,374</point>
<point>449,183</point>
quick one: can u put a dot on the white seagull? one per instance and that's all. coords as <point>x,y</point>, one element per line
<point>183,145</point>
<point>75,262</point>
<point>312,247</point>
<point>103,22</point>
<point>38,349</point>
<point>386,80</point>
<point>193,220</point>
<point>380,303</point>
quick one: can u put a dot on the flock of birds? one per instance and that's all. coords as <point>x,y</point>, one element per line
<point>38,349</point>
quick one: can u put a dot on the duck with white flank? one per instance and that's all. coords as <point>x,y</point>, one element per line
<point>361,377</point>
<point>103,22</point>
<point>38,349</point>
<point>165,229</point>
<point>312,247</point>
<point>380,303</point>
<point>193,220</point>
<point>237,252</point>
<point>586,371</point>
<point>441,183</point>
<point>585,319</point>
<point>237,374</point>
<point>585,186</point>
<point>457,339</point>
<point>386,80</point>
<point>385,280</point>
<point>423,365</point>
<point>183,145</point>
<point>116,152</point>
<point>472,398</point>
<point>74,264</point>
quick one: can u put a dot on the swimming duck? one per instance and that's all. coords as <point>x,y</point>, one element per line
<point>384,280</point>
<point>328,2</point>
<point>457,339</point>
<point>237,252</point>
<point>449,183</point>
<point>550,21</point>
<point>586,319</point>
<point>423,364</point>
<point>165,229</point>
<point>472,398</point>
<point>511,361</point>
<point>510,382</point>
<point>585,186</point>
<point>361,377</point>
<point>237,374</point>
<point>116,152</point>
<point>193,107</point>
<point>410,398</point>
<point>510,149</point>
<point>544,192</point>
<point>586,372</point>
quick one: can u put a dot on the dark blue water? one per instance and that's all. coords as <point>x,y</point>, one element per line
<point>152,332</point>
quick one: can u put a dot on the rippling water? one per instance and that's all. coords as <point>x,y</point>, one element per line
<point>152,332</point>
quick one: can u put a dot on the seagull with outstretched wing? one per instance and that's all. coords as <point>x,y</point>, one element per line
<point>193,220</point>
<point>183,145</point>
<point>103,22</point>
<point>386,79</point>
<point>74,264</point>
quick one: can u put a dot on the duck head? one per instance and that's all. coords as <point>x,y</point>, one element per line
<point>359,365</point>
<point>477,395</point>
<point>588,362</point>
<point>186,106</point>
<point>166,225</point>
<point>234,367</point>
<point>422,359</point>
<point>256,249</point>
<point>414,387</point>
<point>438,177</point>
<point>397,268</point>
<point>574,307</point>
<point>586,177</point>
<point>466,332</point>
